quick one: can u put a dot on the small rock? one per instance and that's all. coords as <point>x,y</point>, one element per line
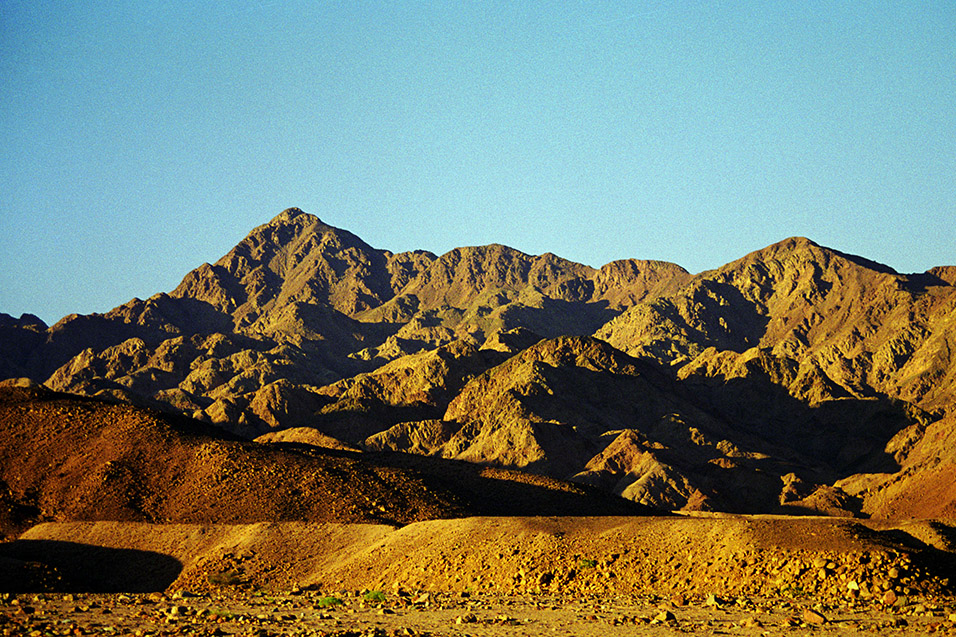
<point>467,618</point>
<point>813,617</point>
<point>889,598</point>
<point>424,598</point>
<point>679,600</point>
<point>665,616</point>
<point>184,594</point>
<point>713,600</point>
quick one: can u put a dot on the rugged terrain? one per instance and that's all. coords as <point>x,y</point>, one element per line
<point>796,379</point>
<point>64,457</point>
<point>487,576</point>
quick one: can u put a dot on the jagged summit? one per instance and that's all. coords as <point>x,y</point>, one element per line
<point>295,258</point>
<point>293,214</point>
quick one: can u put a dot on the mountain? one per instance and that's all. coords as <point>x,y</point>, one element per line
<point>295,259</point>
<point>794,379</point>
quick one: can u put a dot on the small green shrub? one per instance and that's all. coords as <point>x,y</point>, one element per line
<point>374,596</point>
<point>327,602</point>
<point>221,612</point>
<point>794,591</point>
<point>583,564</point>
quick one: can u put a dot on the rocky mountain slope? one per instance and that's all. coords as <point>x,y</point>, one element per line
<point>65,457</point>
<point>795,379</point>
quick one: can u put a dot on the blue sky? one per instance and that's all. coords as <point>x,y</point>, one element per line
<point>140,139</point>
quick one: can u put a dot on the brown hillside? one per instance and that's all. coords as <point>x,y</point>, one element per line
<point>629,281</point>
<point>413,387</point>
<point>946,273</point>
<point>925,485</point>
<point>577,407</point>
<point>68,458</point>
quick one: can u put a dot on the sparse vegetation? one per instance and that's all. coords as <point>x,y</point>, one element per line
<point>328,602</point>
<point>374,596</point>
<point>221,612</point>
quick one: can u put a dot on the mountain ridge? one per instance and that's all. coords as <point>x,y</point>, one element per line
<point>781,380</point>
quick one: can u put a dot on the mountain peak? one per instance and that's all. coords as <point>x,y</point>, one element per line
<point>293,214</point>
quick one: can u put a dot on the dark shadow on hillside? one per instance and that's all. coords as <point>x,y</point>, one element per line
<point>919,283</point>
<point>839,437</point>
<point>153,321</point>
<point>501,492</point>
<point>928,558</point>
<point>88,568</point>
<point>748,325</point>
<point>778,433</point>
<point>557,317</point>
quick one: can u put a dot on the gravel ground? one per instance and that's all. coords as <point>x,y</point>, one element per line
<point>243,612</point>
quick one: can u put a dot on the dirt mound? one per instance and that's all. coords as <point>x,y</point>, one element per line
<point>305,436</point>
<point>819,558</point>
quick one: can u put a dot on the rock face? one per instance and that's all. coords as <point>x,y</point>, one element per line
<point>795,379</point>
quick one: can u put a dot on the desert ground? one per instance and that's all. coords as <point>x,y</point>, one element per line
<point>661,575</point>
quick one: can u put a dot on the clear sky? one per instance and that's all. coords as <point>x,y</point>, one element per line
<point>139,139</point>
